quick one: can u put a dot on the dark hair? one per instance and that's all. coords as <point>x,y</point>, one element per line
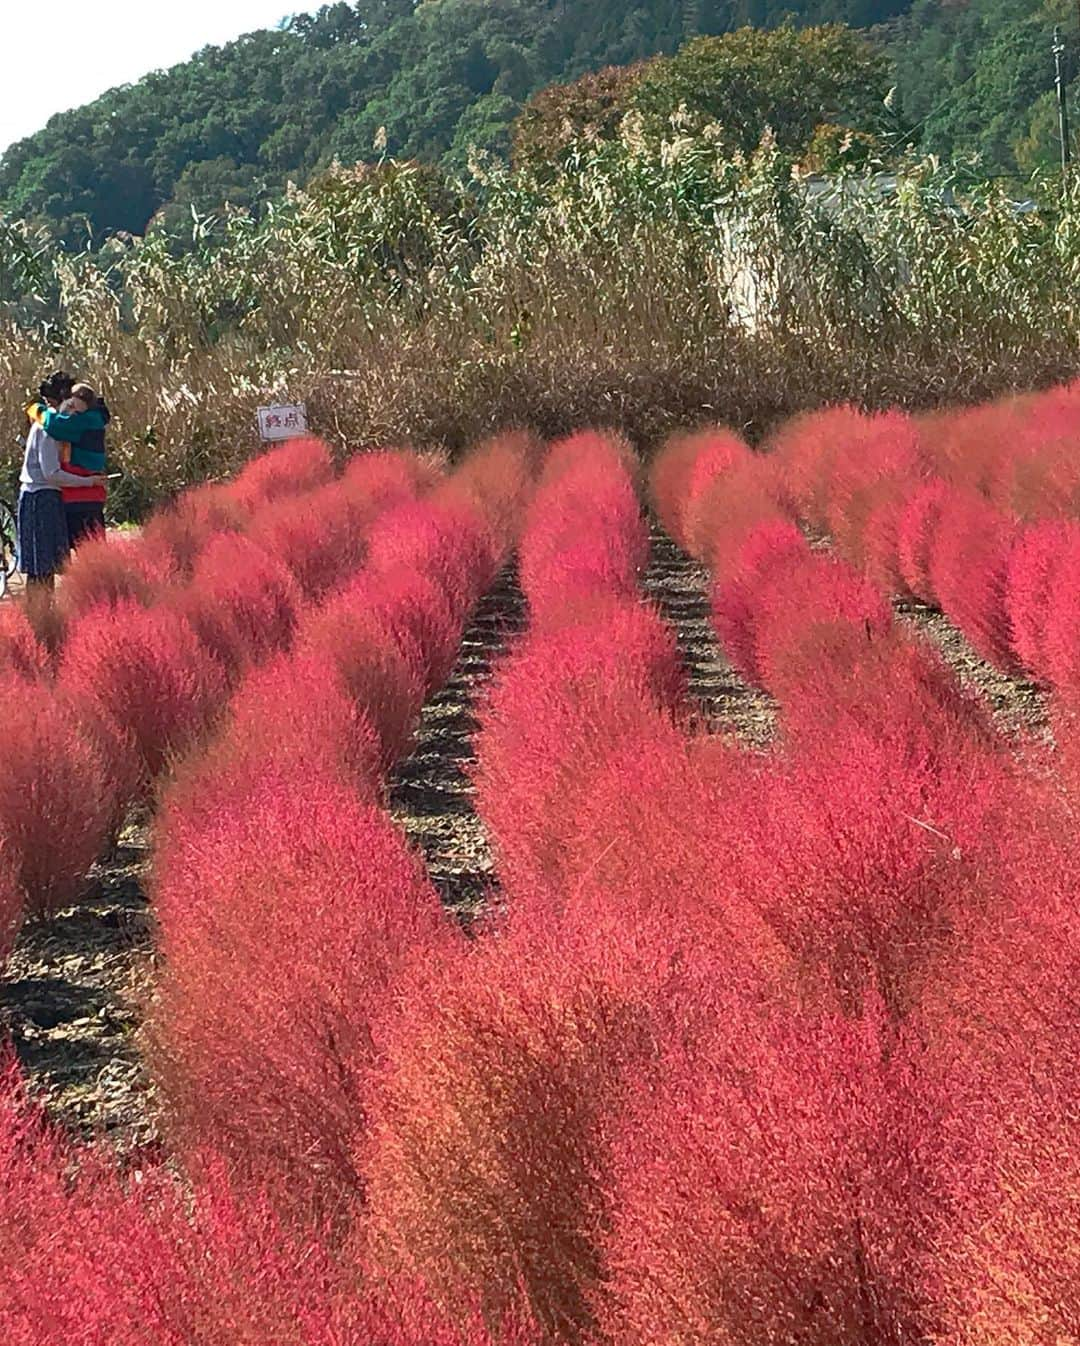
<point>56,387</point>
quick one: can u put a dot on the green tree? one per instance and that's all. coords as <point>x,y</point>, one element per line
<point>484,125</point>
<point>978,77</point>
<point>1038,146</point>
<point>787,80</point>
<point>208,187</point>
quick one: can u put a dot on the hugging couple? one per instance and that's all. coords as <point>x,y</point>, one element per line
<point>62,483</point>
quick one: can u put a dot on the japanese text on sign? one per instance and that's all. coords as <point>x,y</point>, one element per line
<point>282,422</point>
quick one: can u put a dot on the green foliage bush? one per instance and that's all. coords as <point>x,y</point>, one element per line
<point>591,108</point>
<point>786,80</point>
<point>980,76</point>
<point>235,124</point>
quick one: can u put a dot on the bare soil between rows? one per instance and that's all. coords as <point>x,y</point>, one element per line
<point>70,999</point>
<point>430,793</point>
<point>725,704</point>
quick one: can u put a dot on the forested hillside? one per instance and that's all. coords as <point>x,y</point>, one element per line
<point>975,77</point>
<point>980,75</point>
<point>239,121</point>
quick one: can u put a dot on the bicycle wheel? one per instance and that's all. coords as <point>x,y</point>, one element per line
<point>7,540</point>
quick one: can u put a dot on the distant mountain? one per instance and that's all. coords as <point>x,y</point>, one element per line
<point>237,122</point>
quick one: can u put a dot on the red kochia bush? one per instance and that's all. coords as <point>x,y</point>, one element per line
<point>729,509</point>
<point>297,712</point>
<point>177,534</point>
<point>868,845</point>
<point>1002,1028</point>
<point>766,1185</point>
<point>607,562</point>
<point>1052,490</point>
<point>815,610</point>
<point>1061,623</point>
<point>382,670</point>
<point>668,474</point>
<point>22,655</point>
<point>105,571</point>
<point>91,1256</point>
<point>595,492</point>
<point>967,447</point>
<point>284,918</point>
<point>146,672</point>
<point>618,839</point>
<point>11,901</point>
<point>483,1166</point>
<point>772,546</point>
<point>722,453</point>
<point>682,474</point>
<point>551,693</point>
<point>242,603</point>
<point>584,530</point>
<point>861,506</point>
<point>883,453</point>
<point>880,551</point>
<point>380,479</point>
<point>295,467</point>
<point>446,540</point>
<point>590,447</point>
<point>1039,478</point>
<point>916,530</point>
<point>1032,568</point>
<point>497,478</point>
<point>44,615</point>
<point>319,536</point>
<point>1066,728</point>
<point>890,683</point>
<point>54,810</point>
<point>806,449</point>
<point>969,559</point>
<point>417,613</point>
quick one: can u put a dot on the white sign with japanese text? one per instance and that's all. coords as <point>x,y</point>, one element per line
<point>282,422</point>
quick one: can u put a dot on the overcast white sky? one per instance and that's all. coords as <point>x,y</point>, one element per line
<point>94,45</point>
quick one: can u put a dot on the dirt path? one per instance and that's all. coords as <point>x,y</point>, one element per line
<point>680,588</point>
<point>430,793</point>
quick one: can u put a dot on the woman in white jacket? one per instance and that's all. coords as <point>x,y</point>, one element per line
<point>42,530</point>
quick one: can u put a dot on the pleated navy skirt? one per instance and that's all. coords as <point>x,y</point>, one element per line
<point>43,534</point>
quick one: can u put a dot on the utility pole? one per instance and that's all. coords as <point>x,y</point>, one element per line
<point>1063,104</point>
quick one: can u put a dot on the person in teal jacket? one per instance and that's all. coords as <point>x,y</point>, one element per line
<point>80,427</point>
